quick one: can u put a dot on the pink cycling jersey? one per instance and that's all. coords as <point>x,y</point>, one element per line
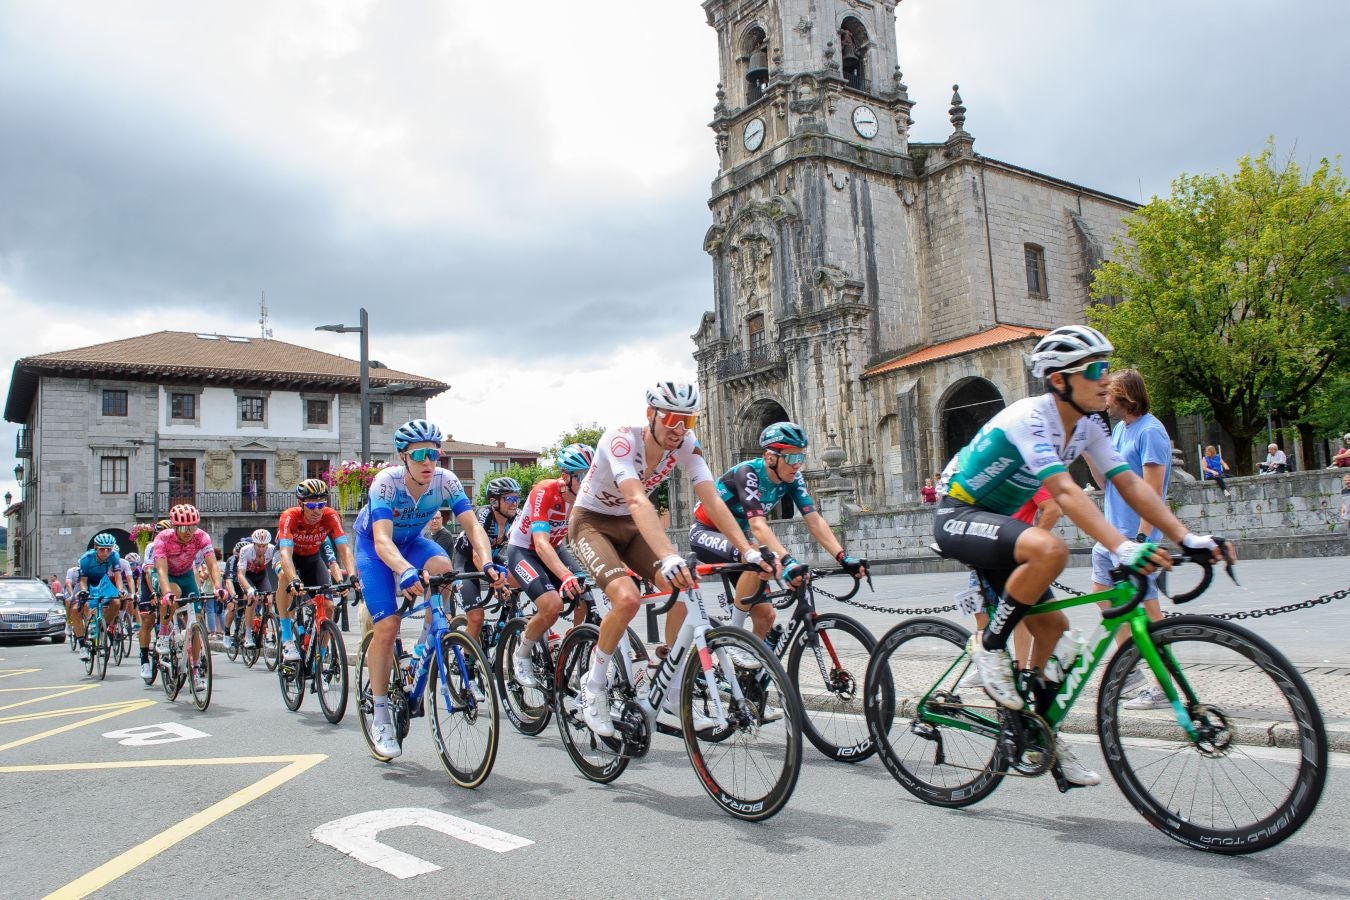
<point>178,556</point>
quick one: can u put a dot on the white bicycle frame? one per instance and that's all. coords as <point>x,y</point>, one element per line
<point>179,634</point>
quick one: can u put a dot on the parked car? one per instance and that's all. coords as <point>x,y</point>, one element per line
<point>28,610</point>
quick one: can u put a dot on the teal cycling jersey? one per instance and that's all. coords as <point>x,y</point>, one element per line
<point>748,492</point>
<point>1022,445</point>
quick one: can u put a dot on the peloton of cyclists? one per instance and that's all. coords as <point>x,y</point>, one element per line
<point>503,496</point>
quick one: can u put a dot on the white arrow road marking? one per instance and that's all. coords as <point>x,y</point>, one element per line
<point>150,735</point>
<point>356,837</point>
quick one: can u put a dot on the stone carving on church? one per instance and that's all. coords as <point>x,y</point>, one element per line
<point>752,270</point>
<point>836,287</point>
<point>219,469</point>
<point>288,467</point>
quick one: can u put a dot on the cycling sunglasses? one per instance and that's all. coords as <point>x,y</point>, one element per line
<point>792,459</point>
<point>424,454</point>
<point>315,504</point>
<point>674,419</point>
<point>1092,371</point>
<point>511,498</point>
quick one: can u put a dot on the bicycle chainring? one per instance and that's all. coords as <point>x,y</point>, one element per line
<point>633,730</point>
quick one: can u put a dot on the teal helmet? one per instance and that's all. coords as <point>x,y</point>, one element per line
<point>105,540</point>
<point>783,436</point>
<point>576,458</point>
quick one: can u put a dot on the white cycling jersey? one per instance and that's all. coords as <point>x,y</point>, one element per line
<point>621,455</point>
<point>250,562</point>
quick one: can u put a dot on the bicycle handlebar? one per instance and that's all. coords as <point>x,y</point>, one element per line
<point>1201,556</point>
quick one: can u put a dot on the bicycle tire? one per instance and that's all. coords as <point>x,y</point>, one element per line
<point>597,758</point>
<point>527,709</point>
<point>365,704</point>
<point>236,635</point>
<point>741,756</point>
<point>199,675</point>
<point>270,648</point>
<point>93,652</point>
<point>124,630</point>
<point>102,650</point>
<point>247,653</point>
<point>172,679</point>
<point>154,669</point>
<point>291,677</point>
<point>115,645</point>
<point>833,719</point>
<point>1197,644</point>
<point>458,717</point>
<point>331,672</point>
<point>898,678</point>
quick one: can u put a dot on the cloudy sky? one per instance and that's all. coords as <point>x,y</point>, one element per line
<point>517,192</point>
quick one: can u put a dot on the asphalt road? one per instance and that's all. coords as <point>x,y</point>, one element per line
<point>234,805</point>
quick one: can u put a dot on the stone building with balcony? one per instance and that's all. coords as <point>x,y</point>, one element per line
<point>116,433</point>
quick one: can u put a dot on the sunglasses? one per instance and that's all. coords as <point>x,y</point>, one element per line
<point>424,454</point>
<point>792,459</point>
<point>315,504</point>
<point>674,419</point>
<point>1092,371</point>
<point>511,498</point>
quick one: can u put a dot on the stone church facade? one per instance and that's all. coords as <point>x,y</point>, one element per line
<point>878,291</point>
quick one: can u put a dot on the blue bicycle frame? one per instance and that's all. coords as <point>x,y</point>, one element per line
<point>431,641</point>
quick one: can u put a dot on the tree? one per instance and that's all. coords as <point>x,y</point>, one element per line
<point>580,434</point>
<point>527,476</point>
<point>1230,288</point>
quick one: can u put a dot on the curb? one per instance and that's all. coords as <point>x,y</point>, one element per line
<point>1272,734</point>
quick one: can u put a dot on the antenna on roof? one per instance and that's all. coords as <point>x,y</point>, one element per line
<point>262,316</point>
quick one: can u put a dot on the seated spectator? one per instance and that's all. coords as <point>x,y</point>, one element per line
<point>1342,457</point>
<point>1276,463</point>
<point>1214,469</point>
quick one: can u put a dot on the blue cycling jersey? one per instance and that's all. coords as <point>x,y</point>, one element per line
<point>96,571</point>
<point>390,501</point>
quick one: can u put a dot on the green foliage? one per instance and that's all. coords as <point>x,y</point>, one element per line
<point>1230,289</point>
<point>528,476</point>
<point>579,434</point>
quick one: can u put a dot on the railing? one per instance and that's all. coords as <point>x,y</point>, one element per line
<point>215,502</point>
<point>23,443</point>
<point>749,361</point>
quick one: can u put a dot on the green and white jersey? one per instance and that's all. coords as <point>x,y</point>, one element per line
<point>1024,444</point>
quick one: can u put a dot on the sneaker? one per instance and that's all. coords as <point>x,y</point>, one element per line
<point>146,670</point>
<point>290,652</point>
<point>228,643</point>
<point>996,673</point>
<point>523,668</point>
<point>1134,682</point>
<point>1149,698</point>
<point>595,711</point>
<point>162,645</point>
<point>1072,769</point>
<point>249,642</point>
<point>386,741</point>
<point>742,659</point>
<point>1227,493</point>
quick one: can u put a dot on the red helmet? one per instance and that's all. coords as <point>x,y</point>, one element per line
<point>184,514</point>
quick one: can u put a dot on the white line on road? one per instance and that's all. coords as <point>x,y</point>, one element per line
<point>356,836</point>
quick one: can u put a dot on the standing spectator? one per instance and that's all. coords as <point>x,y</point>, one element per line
<point>928,493</point>
<point>436,530</point>
<point>1342,458</point>
<point>1213,469</point>
<point>1276,462</point>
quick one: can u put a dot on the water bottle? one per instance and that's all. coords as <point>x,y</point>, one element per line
<point>1065,656</point>
<point>554,642</point>
<point>773,637</point>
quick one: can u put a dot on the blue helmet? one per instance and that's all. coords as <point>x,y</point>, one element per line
<point>576,458</point>
<point>105,540</point>
<point>418,431</point>
<point>783,436</point>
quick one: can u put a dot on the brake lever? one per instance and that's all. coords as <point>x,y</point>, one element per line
<point>1229,567</point>
<point>869,582</point>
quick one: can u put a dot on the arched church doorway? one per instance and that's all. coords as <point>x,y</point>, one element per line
<point>760,415</point>
<point>125,544</point>
<point>969,404</point>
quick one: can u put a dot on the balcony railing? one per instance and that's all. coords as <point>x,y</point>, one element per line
<point>23,444</point>
<point>216,502</point>
<point>752,360</point>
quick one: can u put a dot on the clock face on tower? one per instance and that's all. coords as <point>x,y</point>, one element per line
<point>754,134</point>
<point>865,122</point>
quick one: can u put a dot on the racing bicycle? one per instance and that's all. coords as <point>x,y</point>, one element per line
<point>189,658</point>
<point>323,654</point>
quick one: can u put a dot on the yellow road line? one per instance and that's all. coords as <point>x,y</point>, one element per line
<point>144,852</point>
<point>122,709</point>
<point>47,687</point>
<point>10,673</point>
<point>59,693</point>
<point>69,711</point>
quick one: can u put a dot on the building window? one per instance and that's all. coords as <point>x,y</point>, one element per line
<point>183,406</point>
<point>182,480</point>
<point>377,413</point>
<point>755,326</point>
<point>463,469</point>
<point>113,475</point>
<point>316,412</point>
<point>314,468</point>
<point>499,465</point>
<point>252,485</point>
<point>253,409</point>
<point>1035,256</point>
<point>114,403</point>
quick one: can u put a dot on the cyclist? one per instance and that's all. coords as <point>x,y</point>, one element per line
<point>750,489</point>
<point>253,573</point>
<point>177,550</point>
<point>535,554</point>
<point>391,552</point>
<point>614,526</point>
<point>503,495</point>
<point>1024,445</point>
<point>73,614</point>
<point>147,586</point>
<point>100,582</point>
<point>300,534</point>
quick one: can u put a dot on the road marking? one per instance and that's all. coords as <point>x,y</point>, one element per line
<point>113,709</point>
<point>61,691</point>
<point>150,735</point>
<point>10,673</point>
<point>356,837</point>
<point>142,853</point>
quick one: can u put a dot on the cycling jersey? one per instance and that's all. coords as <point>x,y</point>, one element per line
<point>749,492</point>
<point>496,536</point>
<point>305,539</point>
<point>252,562</point>
<point>73,579</point>
<point>177,555</point>
<point>621,455</point>
<point>98,575</point>
<point>390,501</point>
<point>544,511</point>
<point>1023,444</point>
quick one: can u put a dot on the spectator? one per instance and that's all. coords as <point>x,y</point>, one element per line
<point>1213,469</point>
<point>436,530</point>
<point>1342,458</point>
<point>928,493</point>
<point>1345,503</point>
<point>1276,462</point>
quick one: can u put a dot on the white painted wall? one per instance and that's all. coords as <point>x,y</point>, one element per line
<point>219,416</point>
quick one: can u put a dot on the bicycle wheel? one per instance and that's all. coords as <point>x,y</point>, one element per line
<point>952,763</point>
<point>270,648</point>
<point>115,644</point>
<point>365,702</point>
<point>526,708</point>
<point>291,676</point>
<point>751,769</point>
<point>154,668</point>
<point>102,650</point>
<point>250,654</point>
<point>198,659</point>
<point>1219,793</point>
<point>91,636</point>
<point>595,757</point>
<point>172,677</point>
<point>829,680</point>
<point>464,716</point>
<point>331,672</point>
<point>236,635</point>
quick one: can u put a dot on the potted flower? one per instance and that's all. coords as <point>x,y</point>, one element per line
<point>351,479</point>
<point>142,534</point>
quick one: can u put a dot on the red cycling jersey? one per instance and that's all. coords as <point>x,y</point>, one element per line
<point>545,510</point>
<point>307,540</point>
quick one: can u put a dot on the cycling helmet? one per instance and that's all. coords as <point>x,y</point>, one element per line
<point>675,396</point>
<point>133,559</point>
<point>240,544</point>
<point>162,524</point>
<point>184,514</point>
<point>783,436</point>
<point>576,458</point>
<point>416,432</point>
<point>1065,346</point>
<point>500,487</point>
<point>261,536</point>
<point>309,489</point>
<point>105,540</point>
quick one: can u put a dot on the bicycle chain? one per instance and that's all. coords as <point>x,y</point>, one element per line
<point>1241,614</point>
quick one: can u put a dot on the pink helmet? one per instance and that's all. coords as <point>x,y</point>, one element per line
<point>184,514</point>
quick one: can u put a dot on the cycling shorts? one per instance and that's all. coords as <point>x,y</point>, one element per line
<point>471,594</point>
<point>311,570</point>
<point>1103,561</point>
<point>980,538</point>
<point>608,546</point>
<point>379,584</point>
<point>713,547</point>
<point>146,603</point>
<point>266,580</point>
<point>186,583</point>
<point>533,576</point>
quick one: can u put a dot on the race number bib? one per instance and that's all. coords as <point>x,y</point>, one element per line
<point>970,601</point>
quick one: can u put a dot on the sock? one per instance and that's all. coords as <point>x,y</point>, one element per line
<point>599,672</point>
<point>525,647</point>
<point>287,632</point>
<point>382,709</point>
<point>145,654</point>
<point>1044,691</point>
<point>738,617</point>
<point>1001,624</point>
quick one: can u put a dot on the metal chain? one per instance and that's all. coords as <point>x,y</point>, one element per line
<point>900,611</point>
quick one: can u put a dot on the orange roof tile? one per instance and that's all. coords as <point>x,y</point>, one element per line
<point>994,337</point>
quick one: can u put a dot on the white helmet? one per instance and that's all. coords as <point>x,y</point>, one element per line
<point>675,396</point>
<point>1065,346</point>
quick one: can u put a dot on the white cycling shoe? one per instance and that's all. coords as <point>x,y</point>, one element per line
<point>162,645</point>
<point>146,670</point>
<point>386,742</point>
<point>742,660</point>
<point>595,711</point>
<point>227,642</point>
<point>702,721</point>
<point>249,642</point>
<point>996,673</point>
<point>290,652</point>
<point>523,669</point>
<point>1072,768</point>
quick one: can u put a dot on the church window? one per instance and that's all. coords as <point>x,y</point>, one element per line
<point>1035,256</point>
<point>755,58</point>
<point>853,46</point>
<point>755,327</point>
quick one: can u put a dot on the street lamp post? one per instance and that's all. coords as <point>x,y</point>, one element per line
<point>364,330</point>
